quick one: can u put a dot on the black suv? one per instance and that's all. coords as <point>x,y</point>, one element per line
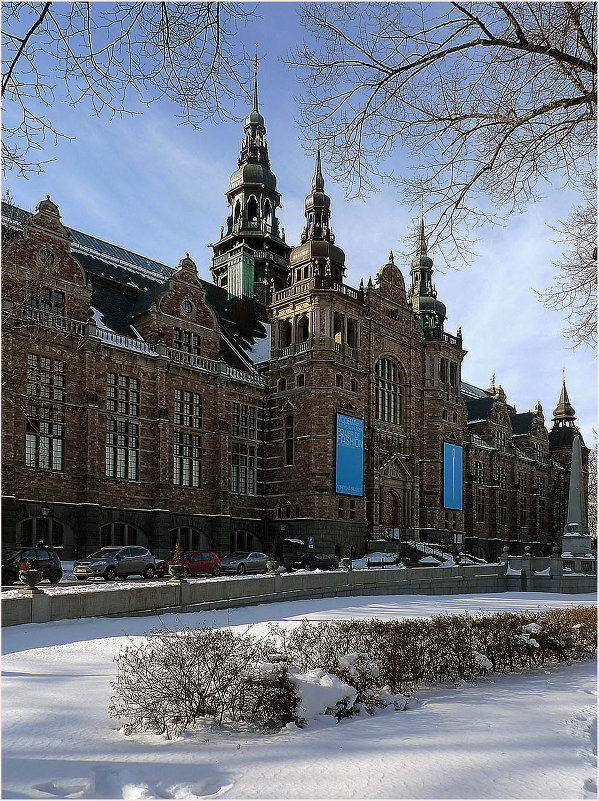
<point>48,563</point>
<point>311,561</point>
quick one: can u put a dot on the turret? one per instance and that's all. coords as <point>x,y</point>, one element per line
<point>251,255</point>
<point>317,256</point>
<point>422,294</point>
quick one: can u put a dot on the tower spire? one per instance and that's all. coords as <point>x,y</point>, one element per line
<point>256,63</point>
<point>318,180</point>
<point>564,412</point>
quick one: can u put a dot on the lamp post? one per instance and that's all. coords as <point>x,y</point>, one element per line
<point>45,510</point>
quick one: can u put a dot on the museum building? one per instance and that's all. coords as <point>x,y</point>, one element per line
<point>145,405</point>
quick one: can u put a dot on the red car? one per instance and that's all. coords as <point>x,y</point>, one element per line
<point>195,562</point>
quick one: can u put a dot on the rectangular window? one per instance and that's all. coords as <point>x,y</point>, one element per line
<point>502,508</point>
<point>522,482</point>
<point>501,477</point>
<point>339,381</point>
<point>539,450</point>
<point>122,394</point>
<point>352,510</point>
<point>45,377</point>
<point>186,459</point>
<point>44,437</point>
<point>479,472</point>
<point>244,421</point>
<point>500,439</point>
<point>341,510</point>
<point>188,409</point>
<point>523,509</point>
<point>43,301</point>
<point>541,512</point>
<point>122,449</point>
<point>480,505</point>
<point>243,469</point>
<point>289,440</point>
<point>541,486</point>
<point>186,342</point>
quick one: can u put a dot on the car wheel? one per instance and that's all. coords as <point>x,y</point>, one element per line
<point>149,572</point>
<point>55,576</point>
<point>241,569</point>
<point>110,574</point>
<point>216,570</point>
<point>8,578</point>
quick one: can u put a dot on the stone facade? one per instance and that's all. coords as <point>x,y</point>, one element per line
<point>143,404</point>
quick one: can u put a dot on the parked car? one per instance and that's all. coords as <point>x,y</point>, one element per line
<point>195,562</point>
<point>244,562</point>
<point>311,561</point>
<point>113,561</point>
<point>48,562</point>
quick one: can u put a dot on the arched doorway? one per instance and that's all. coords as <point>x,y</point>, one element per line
<point>122,534</point>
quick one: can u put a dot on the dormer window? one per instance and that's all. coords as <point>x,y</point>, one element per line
<point>186,342</point>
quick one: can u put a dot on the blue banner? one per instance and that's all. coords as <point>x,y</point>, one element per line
<point>349,473</point>
<point>452,476</point>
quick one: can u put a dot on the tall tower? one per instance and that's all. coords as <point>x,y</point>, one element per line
<point>251,256</point>
<point>422,294</point>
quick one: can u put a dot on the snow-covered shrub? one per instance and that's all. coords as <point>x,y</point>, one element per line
<point>171,680</point>
<point>321,693</point>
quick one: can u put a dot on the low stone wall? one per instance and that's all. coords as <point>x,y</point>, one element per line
<point>161,597</point>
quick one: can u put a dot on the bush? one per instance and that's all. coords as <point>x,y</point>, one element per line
<point>172,680</point>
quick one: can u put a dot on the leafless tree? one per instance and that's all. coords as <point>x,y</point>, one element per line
<point>494,103</point>
<point>575,288</point>
<point>105,53</point>
<point>592,510</point>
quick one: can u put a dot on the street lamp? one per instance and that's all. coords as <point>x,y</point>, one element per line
<point>45,510</point>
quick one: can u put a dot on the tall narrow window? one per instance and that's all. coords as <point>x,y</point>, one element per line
<point>43,302</point>
<point>243,472</point>
<point>45,377</point>
<point>388,391</point>
<point>44,437</point>
<point>186,460</point>
<point>188,409</point>
<point>122,394</point>
<point>289,434</point>
<point>122,449</point>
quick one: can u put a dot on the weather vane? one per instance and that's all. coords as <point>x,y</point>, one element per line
<point>256,62</point>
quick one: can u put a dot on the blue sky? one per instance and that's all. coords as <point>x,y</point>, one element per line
<point>157,187</point>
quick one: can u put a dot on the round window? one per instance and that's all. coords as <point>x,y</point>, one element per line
<point>187,307</point>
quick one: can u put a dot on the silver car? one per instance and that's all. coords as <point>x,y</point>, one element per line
<point>244,562</point>
<point>114,561</point>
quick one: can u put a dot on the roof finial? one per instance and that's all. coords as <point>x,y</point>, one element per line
<point>493,380</point>
<point>391,257</point>
<point>318,180</point>
<point>256,62</point>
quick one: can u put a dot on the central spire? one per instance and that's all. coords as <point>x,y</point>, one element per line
<point>422,294</point>
<point>318,180</point>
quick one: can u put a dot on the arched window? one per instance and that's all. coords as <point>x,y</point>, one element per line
<point>122,534</point>
<point>252,210</point>
<point>244,541</point>
<point>388,391</point>
<point>40,529</point>
<point>237,212</point>
<point>285,334</point>
<point>302,329</point>
<point>188,539</point>
<point>338,328</point>
<point>267,212</point>
<point>352,333</point>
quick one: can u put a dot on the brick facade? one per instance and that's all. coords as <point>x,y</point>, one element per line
<point>172,430</point>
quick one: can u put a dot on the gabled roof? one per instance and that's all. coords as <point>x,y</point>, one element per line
<point>124,284</point>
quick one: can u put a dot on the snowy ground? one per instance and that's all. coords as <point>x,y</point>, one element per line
<point>523,736</point>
